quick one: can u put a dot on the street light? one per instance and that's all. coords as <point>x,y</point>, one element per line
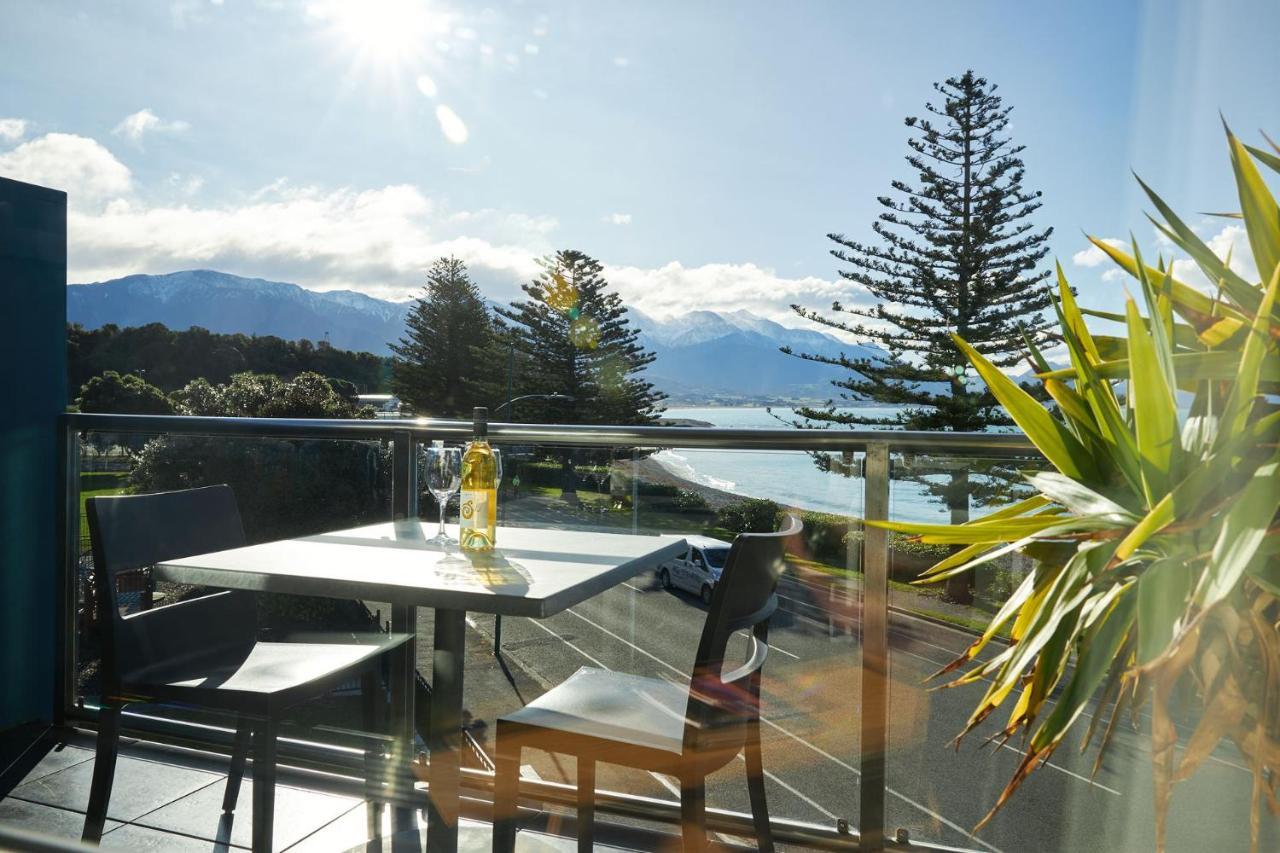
<point>554,398</point>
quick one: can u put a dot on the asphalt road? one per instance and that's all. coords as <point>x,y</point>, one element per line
<point>811,749</point>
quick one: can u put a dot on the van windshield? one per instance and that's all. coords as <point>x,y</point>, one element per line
<point>716,557</point>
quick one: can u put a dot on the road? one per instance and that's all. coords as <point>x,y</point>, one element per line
<point>811,749</point>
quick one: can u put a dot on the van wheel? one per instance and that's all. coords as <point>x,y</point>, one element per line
<point>664,578</point>
<point>706,595</point>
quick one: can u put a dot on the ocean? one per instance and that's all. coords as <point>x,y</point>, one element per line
<point>788,477</point>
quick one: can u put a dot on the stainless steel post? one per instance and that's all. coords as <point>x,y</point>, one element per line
<point>875,649</point>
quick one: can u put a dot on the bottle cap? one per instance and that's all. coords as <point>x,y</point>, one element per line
<point>480,416</point>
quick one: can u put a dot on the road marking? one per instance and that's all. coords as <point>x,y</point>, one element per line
<point>567,643</point>
<point>1071,773</point>
<point>954,826</point>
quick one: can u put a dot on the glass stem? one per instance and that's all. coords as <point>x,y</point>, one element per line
<point>444,503</point>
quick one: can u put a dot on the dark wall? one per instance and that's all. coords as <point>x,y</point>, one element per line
<point>33,371</point>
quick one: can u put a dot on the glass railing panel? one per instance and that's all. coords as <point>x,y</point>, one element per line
<point>811,680</point>
<point>939,791</point>
<point>284,488</point>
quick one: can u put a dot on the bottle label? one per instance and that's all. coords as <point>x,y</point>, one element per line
<point>473,512</point>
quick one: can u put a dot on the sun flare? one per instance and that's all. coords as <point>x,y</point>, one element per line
<point>382,32</point>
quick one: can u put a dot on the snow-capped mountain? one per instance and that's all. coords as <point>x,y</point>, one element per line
<point>221,302</point>
<point>736,354</point>
<point>701,356</point>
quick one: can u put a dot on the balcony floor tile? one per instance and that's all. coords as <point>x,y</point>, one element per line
<point>298,814</point>
<point>140,787</point>
<point>36,817</point>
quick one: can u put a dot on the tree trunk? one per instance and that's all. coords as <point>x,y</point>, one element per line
<point>959,587</point>
<point>568,479</point>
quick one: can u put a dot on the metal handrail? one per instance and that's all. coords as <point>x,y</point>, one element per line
<point>904,441</point>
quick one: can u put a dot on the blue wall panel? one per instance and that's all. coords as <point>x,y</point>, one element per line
<point>33,379</point>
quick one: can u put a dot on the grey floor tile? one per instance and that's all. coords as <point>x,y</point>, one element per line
<point>60,823</point>
<point>348,834</point>
<point>298,813</point>
<point>141,839</point>
<point>140,787</point>
<point>57,758</point>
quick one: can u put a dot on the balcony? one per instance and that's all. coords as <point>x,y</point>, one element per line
<point>854,742</point>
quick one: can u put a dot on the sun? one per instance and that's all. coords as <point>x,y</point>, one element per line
<point>381,32</point>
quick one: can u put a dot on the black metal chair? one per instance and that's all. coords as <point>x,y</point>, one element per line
<point>683,731</point>
<point>204,652</point>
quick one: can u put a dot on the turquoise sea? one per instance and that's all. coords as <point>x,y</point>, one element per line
<point>788,477</point>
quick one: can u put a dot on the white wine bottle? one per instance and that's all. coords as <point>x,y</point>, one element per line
<point>478,511</point>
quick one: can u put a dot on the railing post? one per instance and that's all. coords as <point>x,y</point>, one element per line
<point>404,475</point>
<point>68,520</point>
<point>875,648</point>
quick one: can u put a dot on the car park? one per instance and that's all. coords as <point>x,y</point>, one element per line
<point>697,570</point>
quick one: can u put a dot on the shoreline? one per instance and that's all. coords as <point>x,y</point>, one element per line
<point>650,470</point>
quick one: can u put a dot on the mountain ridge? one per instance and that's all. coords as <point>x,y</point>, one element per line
<point>702,355</point>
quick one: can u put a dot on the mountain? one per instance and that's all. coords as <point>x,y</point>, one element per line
<point>734,356</point>
<point>702,356</point>
<point>221,302</point>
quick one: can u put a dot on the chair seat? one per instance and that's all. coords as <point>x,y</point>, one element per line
<point>264,677</point>
<point>612,706</point>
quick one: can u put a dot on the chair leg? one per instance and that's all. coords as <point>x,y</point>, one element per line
<point>506,789</point>
<point>586,803</point>
<point>373,699</point>
<point>693,814</point>
<point>264,784</point>
<point>104,771</point>
<point>239,752</point>
<point>755,786</point>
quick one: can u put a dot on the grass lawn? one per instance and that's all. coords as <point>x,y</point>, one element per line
<point>98,483</point>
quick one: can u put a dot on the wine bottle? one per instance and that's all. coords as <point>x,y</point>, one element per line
<point>478,511</point>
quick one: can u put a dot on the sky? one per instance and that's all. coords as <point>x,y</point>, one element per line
<point>701,151</point>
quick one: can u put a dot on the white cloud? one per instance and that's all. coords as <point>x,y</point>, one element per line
<point>676,289</point>
<point>1230,240</point>
<point>621,61</point>
<point>1093,256</point>
<point>82,167</point>
<point>427,86</point>
<point>377,241</point>
<point>12,129</point>
<point>541,94</point>
<point>451,125</point>
<point>531,49</point>
<point>618,219</point>
<point>144,121</point>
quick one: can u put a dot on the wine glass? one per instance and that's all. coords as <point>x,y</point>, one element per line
<point>497,476</point>
<point>443,477</point>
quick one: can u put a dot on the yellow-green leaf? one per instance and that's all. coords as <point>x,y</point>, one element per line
<point>1057,444</point>
<point>1155,411</point>
<point>1259,209</point>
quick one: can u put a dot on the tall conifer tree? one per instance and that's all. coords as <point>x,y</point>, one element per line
<point>443,365</point>
<point>575,333</point>
<point>957,252</point>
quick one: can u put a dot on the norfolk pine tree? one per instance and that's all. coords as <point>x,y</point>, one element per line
<point>443,365</point>
<point>957,253</point>
<point>575,334</point>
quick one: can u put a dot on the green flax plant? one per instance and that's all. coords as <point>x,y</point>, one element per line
<point>1157,564</point>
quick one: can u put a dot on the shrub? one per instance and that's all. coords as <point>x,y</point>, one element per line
<point>751,515</point>
<point>689,501</point>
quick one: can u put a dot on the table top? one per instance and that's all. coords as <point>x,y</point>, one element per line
<point>535,572</point>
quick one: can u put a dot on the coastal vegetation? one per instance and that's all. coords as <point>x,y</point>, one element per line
<point>1157,583</point>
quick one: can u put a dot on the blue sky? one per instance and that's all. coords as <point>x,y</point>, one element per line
<point>700,150</point>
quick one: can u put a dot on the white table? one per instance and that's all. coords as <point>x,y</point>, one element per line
<point>535,572</point>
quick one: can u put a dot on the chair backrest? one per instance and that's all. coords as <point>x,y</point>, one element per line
<point>723,705</point>
<point>136,531</point>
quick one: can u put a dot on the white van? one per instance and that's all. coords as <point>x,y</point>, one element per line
<point>698,569</point>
